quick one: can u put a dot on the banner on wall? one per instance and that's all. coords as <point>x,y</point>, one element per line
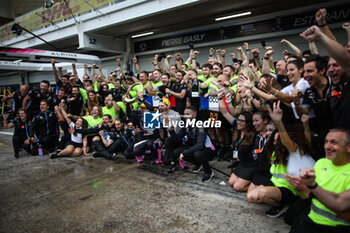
<point>58,11</point>
<point>335,14</point>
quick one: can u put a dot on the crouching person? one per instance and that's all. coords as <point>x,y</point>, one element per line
<point>43,132</point>
<point>20,137</point>
<point>196,147</point>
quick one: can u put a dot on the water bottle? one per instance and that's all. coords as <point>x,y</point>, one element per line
<point>40,151</point>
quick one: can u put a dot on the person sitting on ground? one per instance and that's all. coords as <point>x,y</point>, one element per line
<point>288,145</point>
<point>74,146</point>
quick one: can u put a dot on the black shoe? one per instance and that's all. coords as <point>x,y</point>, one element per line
<point>153,162</point>
<point>16,156</point>
<point>197,169</point>
<point>114,157</point>
<point>58,151</point>
<point>172,169</point>
<point>234,164</point>
<point>53,155</point>
<point>207,177</point>
<point>96,154</point>
<point>277,211</point>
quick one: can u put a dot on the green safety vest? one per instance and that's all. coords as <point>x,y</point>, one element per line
<point>278,171</point>
<point>122,106</point>
<point>92,122</point>
<point>201,78</point>
<point>111,111</point>
<point>110,85</point>
<point>334,179</point>
<point>95,86</point>
<point>234,77</point>
<point>83,94</point>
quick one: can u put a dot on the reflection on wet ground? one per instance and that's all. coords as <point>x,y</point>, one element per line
<point>96,195</point>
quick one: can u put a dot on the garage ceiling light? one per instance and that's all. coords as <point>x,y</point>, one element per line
<point>142,34</point>
<point>233,16</point>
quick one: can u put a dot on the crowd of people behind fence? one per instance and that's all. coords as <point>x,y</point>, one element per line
<point>284,125</point>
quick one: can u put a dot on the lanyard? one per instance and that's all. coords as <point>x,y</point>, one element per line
<point>237,143</point>
<point>25,125</point>
<point>47,124</point>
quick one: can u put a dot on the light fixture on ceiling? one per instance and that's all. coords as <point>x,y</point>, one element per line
<point>142,34</point>
<point>233,16</point>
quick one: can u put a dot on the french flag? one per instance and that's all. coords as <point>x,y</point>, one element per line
<point>211,103</point>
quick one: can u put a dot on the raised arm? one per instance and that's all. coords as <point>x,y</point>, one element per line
<point>346,26</point>
<point>321,21</point>
<point>134,60</point>
<point>333,48</point>
<point>93,73</point>
<point>246,47</point>
<point>292,46</point>
<point>276,115</point>
<point>178,60</point>
<point>313,48</point>
<point>76,77</point>
<point>54,70</point>
<point>266,63</point>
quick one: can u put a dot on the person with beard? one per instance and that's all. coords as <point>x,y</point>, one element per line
<point>75,103</point>
<point>216,71</point>
<point>104,132</point>
<point>337,52</point>
<point>281,73</point>
<point>64,81</point>
<point>35,95</point>
<point>178,89</point>
<point>194,145</point>
<point>339,104</point>
<point>315,99</point>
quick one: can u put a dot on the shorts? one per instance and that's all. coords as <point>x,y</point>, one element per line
<point>261,179</point>
<point>75,144</point>
<point>287,196</point>
<point>244,172</point>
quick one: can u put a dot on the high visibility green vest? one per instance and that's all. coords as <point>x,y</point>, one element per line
<point>234,77</point>
<point>278,171</point>
<point>92,122</point>
<point>332,178</point>
<point>111,111</point>
<point>83,94</point>
<point>95,86</point>
<point>201,78</point>
<point>110,85</point>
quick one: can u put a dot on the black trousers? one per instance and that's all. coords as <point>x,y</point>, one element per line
<point>18,143</point>
<point>199,157</point>
<point>140,148</point>
<point>47,142</point>
<point>306,225</point>
<point>102,149</point>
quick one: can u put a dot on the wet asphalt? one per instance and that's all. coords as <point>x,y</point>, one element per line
<point>86,194</point>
